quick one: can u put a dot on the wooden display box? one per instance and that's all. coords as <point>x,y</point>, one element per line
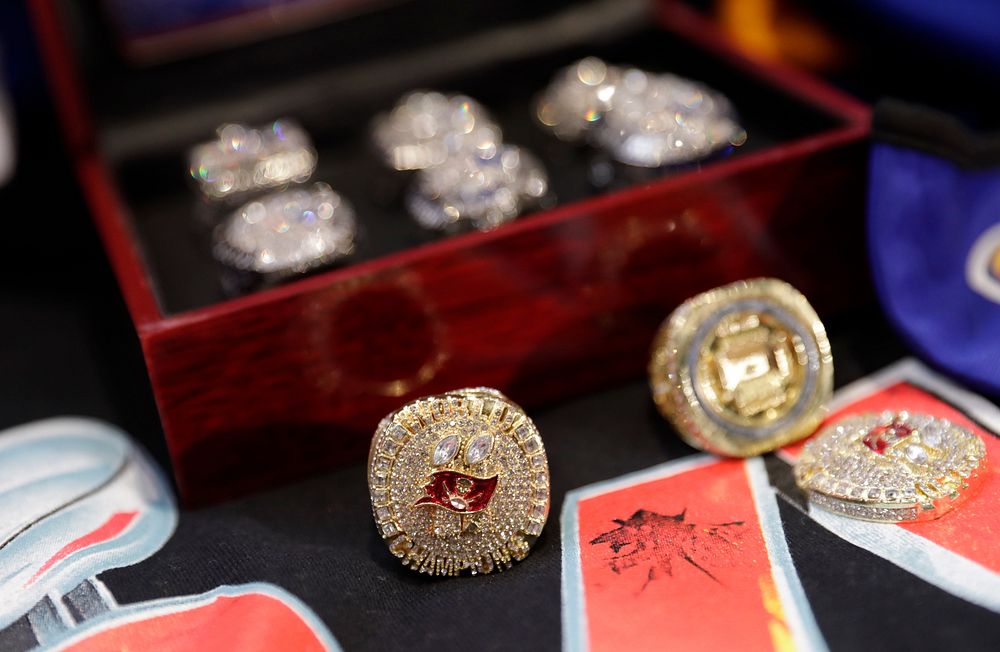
<point>291,380</point>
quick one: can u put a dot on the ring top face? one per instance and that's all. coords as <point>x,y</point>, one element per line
<point>425,128</point>
<point>484,189</point>
<point>891,467</point>
<point>244,158</point>
<point>459,482</point>
<point>290,231</point>
<point>662,119</point>
<point>743,369</point>
<point>641,118</point>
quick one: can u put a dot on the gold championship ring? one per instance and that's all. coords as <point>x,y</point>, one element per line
<point>742,369</point>
<point>891,467</point>
<point>459,482</point>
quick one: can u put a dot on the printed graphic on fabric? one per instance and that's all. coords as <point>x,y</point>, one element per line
<point>654,542</point>
<point>76,497</point>
<point>695,546</point>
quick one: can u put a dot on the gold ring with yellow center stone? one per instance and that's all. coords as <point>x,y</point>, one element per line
<point>891,467</point>
<point>459,482</point>
<point>742,369</point>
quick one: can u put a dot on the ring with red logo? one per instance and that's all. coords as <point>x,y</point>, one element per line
<point>892,467</point>
<point>459,482</point>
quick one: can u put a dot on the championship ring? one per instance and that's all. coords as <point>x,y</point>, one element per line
<point>891,467</point>
<point>459,482</point>
<point>742,369</point>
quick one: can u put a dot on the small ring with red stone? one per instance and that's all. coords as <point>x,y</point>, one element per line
<point>459,482</point>
<point>891,467</point>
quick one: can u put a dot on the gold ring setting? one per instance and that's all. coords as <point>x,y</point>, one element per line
<point>742,369</point>
<point>459,482</point>
<point>891,467</point>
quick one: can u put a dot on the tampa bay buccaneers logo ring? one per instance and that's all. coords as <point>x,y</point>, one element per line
<point>459,482</point>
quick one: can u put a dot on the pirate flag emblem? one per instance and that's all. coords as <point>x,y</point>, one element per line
<point>459,482</point>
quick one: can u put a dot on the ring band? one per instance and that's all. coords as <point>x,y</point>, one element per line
<point>742,369</point>
<point>244,159</point>
<point>891,467</point>
<point>459,482</point>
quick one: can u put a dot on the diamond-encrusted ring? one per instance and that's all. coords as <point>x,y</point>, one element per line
<point>244,159</point>
<point>427,127</point>
<point>891,467</point>
<point>459,482</point>
<point>742,369</point>
<point>484,189</point>
<point>640,118</point>
<point>577,98</point>
<point>287,232</point>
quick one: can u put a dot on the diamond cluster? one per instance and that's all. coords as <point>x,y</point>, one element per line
<point>288,232</point>
<point>486,189</point>
<point>244,159</point>
<point>473,433</point>
<point>425,128</point>
<point>891,466</point>
<point>641,118</point>
<point>466,174</point>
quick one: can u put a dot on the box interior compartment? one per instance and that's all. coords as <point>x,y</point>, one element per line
<point>334,83</point>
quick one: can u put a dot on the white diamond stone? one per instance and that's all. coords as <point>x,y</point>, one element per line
<point>932,437</point>
<point>445,450</point>
<point>478,449</point>
<point>916,454</point>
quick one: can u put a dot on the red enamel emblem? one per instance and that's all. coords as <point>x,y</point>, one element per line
<point>458,492</point>
<point>884,436</point>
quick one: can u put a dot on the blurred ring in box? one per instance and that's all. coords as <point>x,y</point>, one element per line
<point>425,128</point>
<point>245,159</point>
<point>640,118</point>
<point>484,189</point>
<point>286,233</point>
<point>466,176</point>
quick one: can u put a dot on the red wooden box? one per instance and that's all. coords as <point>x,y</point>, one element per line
<point>287,381</point>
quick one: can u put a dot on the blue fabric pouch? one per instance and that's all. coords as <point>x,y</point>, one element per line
<point>934,238</point>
